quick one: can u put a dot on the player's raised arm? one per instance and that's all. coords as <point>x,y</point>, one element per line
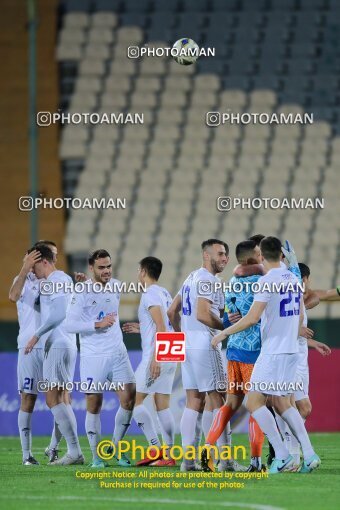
<point>291,259</point>
<point>252,317</point>
<point>311,299</point>
<point>174,313</point>
<point>329,295</point>
<point>16,289</point>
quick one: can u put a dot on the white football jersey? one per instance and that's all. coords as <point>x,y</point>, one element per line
<point>59,336</point>
<point>28,311</point>
<point>280,319</point>
<point>153,296</point>
<point>88,307</point>
<point>199,284</point>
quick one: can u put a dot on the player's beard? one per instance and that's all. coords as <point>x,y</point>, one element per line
<point>101,279</point>
<point>105,279</point>
<point>217,268</point>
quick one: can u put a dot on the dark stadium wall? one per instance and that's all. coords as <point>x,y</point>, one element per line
<point>14,133</point>
<point>325,330</point>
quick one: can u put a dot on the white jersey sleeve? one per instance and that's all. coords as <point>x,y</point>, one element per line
<point>76,320</point>
<point>57,313</point>
<point>28,311</point>
<point>263,295</point>
<point>154,296</point>
<point>200,284</point>
<point>61,285</point>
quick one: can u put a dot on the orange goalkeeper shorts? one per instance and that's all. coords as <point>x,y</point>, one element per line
<point>239,375</point>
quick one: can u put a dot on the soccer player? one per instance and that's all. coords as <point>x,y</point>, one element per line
<point>242,352</point>
<point>152,377</point>
<point>52,451</point>
<point>60,349</point>
<point>281,316</point>
<point>25,293</point>
<point>93,314</point>
<point>201,302</point>
<point>311,300</point>
<point>288,254</point>
<point>301,397</point>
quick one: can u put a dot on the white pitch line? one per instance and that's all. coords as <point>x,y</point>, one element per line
<point>141,501</point>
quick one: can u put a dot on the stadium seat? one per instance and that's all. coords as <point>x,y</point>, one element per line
<point>104,20</point>
<point>265,60</point>
<point>195,5</point>
<point>221,5</point>
<point>107,5</point>
<point>66,52</point>
<point>134,18</point>
<point>77,5</point>
<point>136,6</point>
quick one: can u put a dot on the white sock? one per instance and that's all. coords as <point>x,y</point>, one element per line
<point>55,437</point>
<point>295,450</point>
<point>297,426</point>
<point>188,430</point>
<point>122,423</point>
<point>145,422</point>
<point>167,426</point>
<point>292,444</point>
<point>72,416</point>
<point>62,417</point>
<point>267,423</point>
<point>207,420</point>
<point>93,431</point>
<point>285,431</point>
<point>24,425</point>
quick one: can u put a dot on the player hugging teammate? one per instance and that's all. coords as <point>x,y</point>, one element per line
<point>242,352</point>
<point>282,314</point>
<point>268,341</point>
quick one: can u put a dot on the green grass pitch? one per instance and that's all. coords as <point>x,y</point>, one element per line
<point>49,488</point>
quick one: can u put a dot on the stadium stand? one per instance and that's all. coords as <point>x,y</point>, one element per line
<point>282,58</point>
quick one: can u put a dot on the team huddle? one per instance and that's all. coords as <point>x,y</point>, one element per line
<point>267,355</point>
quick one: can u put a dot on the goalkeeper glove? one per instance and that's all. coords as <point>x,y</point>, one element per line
<point>290,256</point>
